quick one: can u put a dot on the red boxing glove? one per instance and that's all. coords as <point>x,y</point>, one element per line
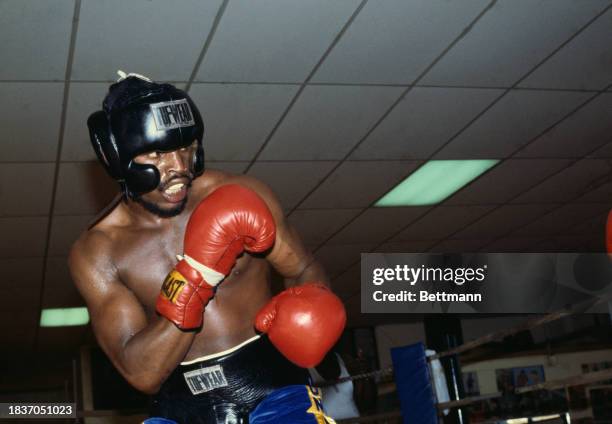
<point>227,222</point>
<point>303,322</point>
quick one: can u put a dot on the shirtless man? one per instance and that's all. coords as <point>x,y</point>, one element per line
<point>184,330</point>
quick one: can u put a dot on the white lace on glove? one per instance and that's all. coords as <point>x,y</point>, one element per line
<point>211,276</point>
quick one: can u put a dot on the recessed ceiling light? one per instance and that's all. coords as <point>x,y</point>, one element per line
<point>64,317</point>
<point>434,182</point>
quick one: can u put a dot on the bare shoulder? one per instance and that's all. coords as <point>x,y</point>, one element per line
<point>91,256</point>
<point>208,182</point>
<point>213,179</point>
<point>253,183</point>
<point>259,187</point>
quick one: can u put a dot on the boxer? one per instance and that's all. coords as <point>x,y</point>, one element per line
<point>176,274</point>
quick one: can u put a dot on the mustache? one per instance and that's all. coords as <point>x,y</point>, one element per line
<point>183,176</point>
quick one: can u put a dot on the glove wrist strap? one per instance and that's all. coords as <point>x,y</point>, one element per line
<point>209,275</point>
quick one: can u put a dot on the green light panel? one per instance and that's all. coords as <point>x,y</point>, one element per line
<point>434,182</point>
<point>64,317</point>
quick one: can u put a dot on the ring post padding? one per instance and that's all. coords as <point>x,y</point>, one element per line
<point>414,388</point>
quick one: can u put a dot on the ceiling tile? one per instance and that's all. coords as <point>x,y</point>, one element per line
<point>596,243</point>
<point>35,38</point>
<point>591,226</point>
<point>393,41</point>
<point>65,229</point>
<point>159,39</point>
<point>23,237</point>
<point>509,40</point>
<point>18,338</point>
<point>425,119</point>
<point>460,246</point>
<point>327,121</point>
<point>316,225</point>
<point>415,246</point>
<point>514,244</point>
<point>23,309</point>
<point>63,339</point>
<point>17,180</point>
<point>376,225</point>
<point>273,40</point>
<point>571,182</point>
<point>59,290</point>
<point>30,118</point>
<point>358,184</point>
<point>238,117</point>
<point>584,63</point>
<point>548,245</point>
<point>502,221</point>
<point>516,119</point>
<point>578,134</point>
<point>83,188</point>
<point>336,259</point>
<point>579,243</point>
<point>348,282</point>
<point>230,167</point>
<point>603,152</point>
<point>441,222</point>
<point>558,221</point>
<point>291,181</point>
<point>21,276</point>
<point>84,99</point>
<point>507,180</point>
<point>602,193</point>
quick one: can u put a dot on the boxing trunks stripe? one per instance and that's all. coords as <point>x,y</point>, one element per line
<point>224,388</point>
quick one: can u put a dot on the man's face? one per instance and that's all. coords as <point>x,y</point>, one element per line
<point>170,197</point>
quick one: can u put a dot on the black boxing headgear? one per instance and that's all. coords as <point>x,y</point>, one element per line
<point>140,116</point>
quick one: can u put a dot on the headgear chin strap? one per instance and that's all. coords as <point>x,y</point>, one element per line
<point>140,116</point>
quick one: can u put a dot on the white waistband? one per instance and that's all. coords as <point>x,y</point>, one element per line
<point>225,352</point>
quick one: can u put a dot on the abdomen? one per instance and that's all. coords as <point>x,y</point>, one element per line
<point>229,316</point>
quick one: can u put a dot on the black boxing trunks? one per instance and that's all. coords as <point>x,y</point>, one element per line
<point>224,388</point>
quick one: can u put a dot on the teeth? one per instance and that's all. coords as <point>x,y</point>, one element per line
<point>175,188</point>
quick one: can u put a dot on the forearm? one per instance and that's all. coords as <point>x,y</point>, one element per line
<point>149,356</point>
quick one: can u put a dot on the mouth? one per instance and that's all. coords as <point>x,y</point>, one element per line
<point>175,192</point>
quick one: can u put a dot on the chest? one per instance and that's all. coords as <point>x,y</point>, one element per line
<point>147,257</point>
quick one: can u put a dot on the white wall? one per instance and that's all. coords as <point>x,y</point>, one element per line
<point>555,367</point>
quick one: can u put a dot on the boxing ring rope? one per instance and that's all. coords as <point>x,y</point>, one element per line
<point>487,338</point>
<point>575,380</point>
<point>527,325</point>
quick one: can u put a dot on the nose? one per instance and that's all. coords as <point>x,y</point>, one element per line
<point>174,161</point>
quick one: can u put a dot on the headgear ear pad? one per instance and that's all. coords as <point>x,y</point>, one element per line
<point>99,134</point>
<point>138,117</point>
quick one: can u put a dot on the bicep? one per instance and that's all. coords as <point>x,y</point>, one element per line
<point>288,255</point>
<point>293,260</point>
<point>116,317</point>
